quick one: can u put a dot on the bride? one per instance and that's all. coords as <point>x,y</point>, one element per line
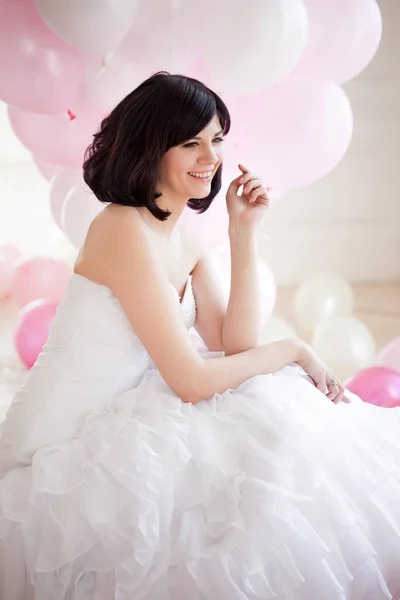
<point>143,461</point>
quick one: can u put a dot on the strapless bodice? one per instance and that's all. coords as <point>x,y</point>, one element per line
<point>92,355</point>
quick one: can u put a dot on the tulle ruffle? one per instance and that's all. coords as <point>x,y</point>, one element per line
<point>268,491</point>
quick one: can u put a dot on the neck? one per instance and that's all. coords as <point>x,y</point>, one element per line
<point>163,228</point>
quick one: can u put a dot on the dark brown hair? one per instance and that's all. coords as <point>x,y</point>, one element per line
<point>122,163</point>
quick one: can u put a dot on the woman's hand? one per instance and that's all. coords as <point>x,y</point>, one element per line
<point>323,378</point>
<point>249,207</point>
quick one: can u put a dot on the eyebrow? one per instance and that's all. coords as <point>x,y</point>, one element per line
<point>215,134</point>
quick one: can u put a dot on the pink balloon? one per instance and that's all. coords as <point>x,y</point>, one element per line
<point>212,225</point>
<point>39,72</point>
<point>389,356</point>
<point>392,403</point>
<point>33,329</point>
<point>63,182</point>
<point>343,36</point>
<point>376,385</point>
<point>39,278</point>
<point>200,70</point>
<point>294,133</point>
<point>60,139</point>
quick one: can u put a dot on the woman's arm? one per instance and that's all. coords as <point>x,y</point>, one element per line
<point>242,322</point>
<point>117,244</point>
<point>220,374</point>
<point>228,372</point>
<point>241,326</point>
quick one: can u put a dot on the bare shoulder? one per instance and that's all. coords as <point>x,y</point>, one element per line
<point>114,228</point>
<point>113,218</point>
<point>121,255</point>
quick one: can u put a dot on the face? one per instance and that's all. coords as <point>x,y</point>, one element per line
<point>187,170</point>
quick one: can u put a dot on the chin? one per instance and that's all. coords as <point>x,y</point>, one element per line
<point>200,193</point>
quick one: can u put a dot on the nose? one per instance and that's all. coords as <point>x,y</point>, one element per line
<point>209,156</point>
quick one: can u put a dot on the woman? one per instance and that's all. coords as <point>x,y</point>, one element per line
<point>140,463</point>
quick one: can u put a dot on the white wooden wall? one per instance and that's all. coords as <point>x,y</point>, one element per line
<point>349,222</point>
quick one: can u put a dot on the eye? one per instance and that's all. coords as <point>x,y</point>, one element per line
<point>193,144</point>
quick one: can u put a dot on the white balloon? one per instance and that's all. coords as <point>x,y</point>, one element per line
<point>61,184</point>
<point>90,25</point>
<point>321,296</point>
<point>167,35</point>
<point>345,344</point>
<point>276,329</point>
<point>108,80</point>
<point>9,256</point>
<point>267,284</point>
<point>79,209</point>
<point>46,169</point>
<point>344,35</point>
<point>6,276</point>
<point>253,46</point>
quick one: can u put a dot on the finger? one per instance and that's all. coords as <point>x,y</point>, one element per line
<point>338,398</point>
<point>234,186</point>
<point>346,397</point>
<point>243,168</point>
<point>333,388</point>
<point>236,183</point>
<point>260,196</point>
<point>336,389</point>
<point>321,385</point>
<point>245,179</point>
<point>252,185</point>
<point>331,394</point>
<point>340,395</point>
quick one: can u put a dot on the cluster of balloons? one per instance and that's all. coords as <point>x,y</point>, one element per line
<point>65,65</point>
<point>35,286</point>
<point>323,308</point>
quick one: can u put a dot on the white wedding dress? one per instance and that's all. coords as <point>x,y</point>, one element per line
<point>112,488</point>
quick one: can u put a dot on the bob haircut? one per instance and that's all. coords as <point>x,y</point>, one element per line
<point>122,163</point>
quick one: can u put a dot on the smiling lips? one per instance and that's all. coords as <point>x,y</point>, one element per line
<point>204,176</point>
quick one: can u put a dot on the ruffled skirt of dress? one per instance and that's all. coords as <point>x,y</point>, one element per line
<point>268,491</point>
